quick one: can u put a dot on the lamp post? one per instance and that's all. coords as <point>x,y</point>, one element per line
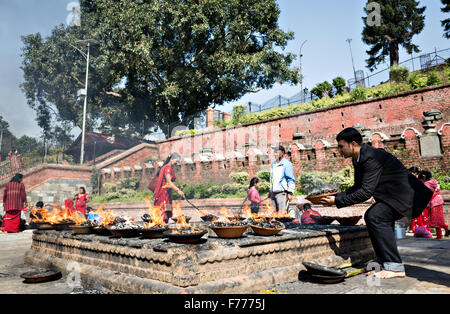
<point>88,43</point>
<point>302,96</point>
<point>351,54</point>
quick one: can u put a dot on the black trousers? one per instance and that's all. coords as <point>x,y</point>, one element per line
<point>380,220</point>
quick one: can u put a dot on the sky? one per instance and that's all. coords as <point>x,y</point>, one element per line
<point>324,24</point>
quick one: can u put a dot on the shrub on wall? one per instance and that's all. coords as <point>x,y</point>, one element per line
<point>109,187</point>
<point>418,80</point>
<point>311,182</point>
<point>129,183</point>
<point>433,79</point>
<point>239,177</point>
<point>358,94</point>
<point>399,73</point>
<point>264,175</point>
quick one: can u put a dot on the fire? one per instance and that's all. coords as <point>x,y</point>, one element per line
<point>181,218</point>
<point>156,215</point>
<point>106,217</point>
<point>78,218</point>
<point>248,212</point>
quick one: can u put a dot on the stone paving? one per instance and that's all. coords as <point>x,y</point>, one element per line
<point>427,264</point>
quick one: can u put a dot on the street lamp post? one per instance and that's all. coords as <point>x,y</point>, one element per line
<point>302,96</point>
<point>351,54</point>
<point>88,43</point>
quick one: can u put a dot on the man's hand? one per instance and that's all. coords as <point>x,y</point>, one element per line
<point>329,201</point>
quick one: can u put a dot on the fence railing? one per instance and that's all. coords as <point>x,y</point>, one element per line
<point>421,62</point>
<point>10,166</point>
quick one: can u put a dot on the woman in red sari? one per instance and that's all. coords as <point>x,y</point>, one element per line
<point>164,186</point>
<point>436,207</point>
<point>81,200</point>
<point>14,199</point>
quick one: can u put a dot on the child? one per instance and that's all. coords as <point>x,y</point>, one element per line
<point>307,212</point>
<point>253,196</point>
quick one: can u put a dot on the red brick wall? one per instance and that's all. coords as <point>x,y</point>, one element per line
<point>386,118</point>
<point>44,173</point>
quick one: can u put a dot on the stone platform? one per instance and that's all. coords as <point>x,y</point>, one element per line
<point>212,266</point>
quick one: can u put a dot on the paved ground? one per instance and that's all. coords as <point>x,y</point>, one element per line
<point>427,264</point>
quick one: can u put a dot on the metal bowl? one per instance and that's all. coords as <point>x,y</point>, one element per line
<point>231,232</point>
<point>315,269</point>
<point>315,199</point>
<point>175,219</point>
<point>323,220</point>
<point>44,226</point>
<point>328,279</point>
<point>62,226</point>
<point>41,276</point>
<point>266,231</point>
<point>349,221</point>
<point>153,233</point>
<point>102,231</point>
<point>185,238</point>
<point>209,218</point>
<point>124,233</point>
<point>82,229</point>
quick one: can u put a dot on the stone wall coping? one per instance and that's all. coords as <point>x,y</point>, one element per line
<point>125,154</point>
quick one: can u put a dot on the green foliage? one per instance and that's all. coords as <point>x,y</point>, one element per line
<point>398,73</point>
<point>322,89</point>
<point>264,175</point>
<point>129,183</point>
<point>310,182</point>
<point>418,80</point>
<point>339,84</point>
<point>122,196</point>
<point>177,57</point>
<point>399,24</point>
<point>263,187</point>
<point>239,177</point>
<point>433,79</point>
<point>359,94</point>
<point>185,132</point>
<point>109,187</point>
<point>238,114</point>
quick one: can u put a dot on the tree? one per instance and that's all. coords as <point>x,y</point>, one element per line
<point>26,144</point>
<point>400,21</point>
<point>162,61</point>
<point>6,137</point>
<point>339,84</point>
<point>323,89</point>
<point>446,23</point>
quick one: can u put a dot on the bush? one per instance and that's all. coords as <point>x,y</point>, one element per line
<point>263,187</point>
<point>399,73</point>
<point>129,183</point>
<point>238,114</point>
<point>433,79</point>
<point>239,177</point>
<point>418,80</point>
<point>109,187</point>
<point>310,182</point>
<point>358,94</point>
<point>264,175</point>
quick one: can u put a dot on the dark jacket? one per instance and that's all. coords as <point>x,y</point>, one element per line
<point>381,175</point>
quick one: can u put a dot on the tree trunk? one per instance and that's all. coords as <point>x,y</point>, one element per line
<point>394,54</point>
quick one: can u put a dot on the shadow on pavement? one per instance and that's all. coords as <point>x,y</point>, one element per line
<point>429,275</point>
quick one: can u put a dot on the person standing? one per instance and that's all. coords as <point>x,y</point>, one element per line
<point>253,196</point>
<point>435,208</point>
<point>165,185</point>
<point>14,199</point>
<point>396,192</point>
<point>81,199</point>
<point>282,181</point>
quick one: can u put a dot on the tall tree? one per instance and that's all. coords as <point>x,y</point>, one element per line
<point>446,23</point>
<point>400,21</point>
<point>162,61</point>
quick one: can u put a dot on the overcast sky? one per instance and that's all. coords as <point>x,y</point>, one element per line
<point>325,24</point>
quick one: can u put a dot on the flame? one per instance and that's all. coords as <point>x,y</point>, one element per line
<point>156,215</point>
<point>78,218</point>
<point>106,217</point>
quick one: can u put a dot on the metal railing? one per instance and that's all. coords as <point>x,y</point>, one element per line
<point>422,62</point>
